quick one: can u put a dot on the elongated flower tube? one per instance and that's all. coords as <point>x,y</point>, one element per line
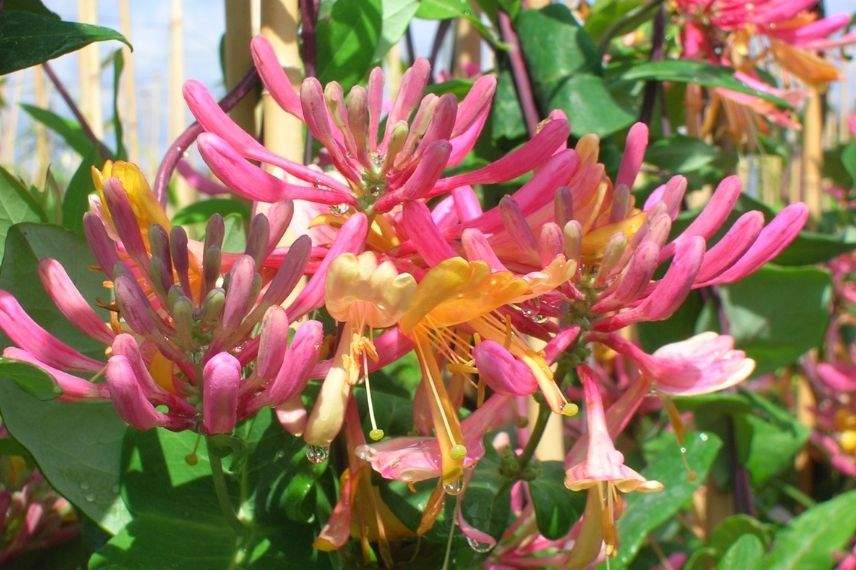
<point>603,470</point>
<point>454,301</point>
<point>181,336</point>
<point>363,295</point>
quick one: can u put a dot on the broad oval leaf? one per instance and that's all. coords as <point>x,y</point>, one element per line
<point>29,38</point>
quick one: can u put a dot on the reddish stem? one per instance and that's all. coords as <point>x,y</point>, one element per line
<point>518,70</point>
<point>75,110</point>
<point>176,150</point>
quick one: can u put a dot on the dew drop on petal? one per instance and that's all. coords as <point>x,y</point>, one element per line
<point>317,454</point>
<point>454,487</point>
<point>480,547</point>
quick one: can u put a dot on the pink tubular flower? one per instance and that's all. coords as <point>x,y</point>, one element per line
<point>413,459</point>
<point>704,363</point>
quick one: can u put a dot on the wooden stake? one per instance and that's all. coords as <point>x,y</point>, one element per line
<point>813,154</point>
<point>283,133</point>
<point>128,98</point>
<point>393,70</point>
<point>43,151</point>
<point>467,49</point>
<point>176,110</point>
<point>10,126</point>
<point>89,71</point>
<point>239,32</point>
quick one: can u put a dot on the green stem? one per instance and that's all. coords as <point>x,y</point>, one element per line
<point>535,437</point>
<point>222,491</point>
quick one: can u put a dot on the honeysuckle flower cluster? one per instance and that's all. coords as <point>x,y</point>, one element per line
<point>749,36</point>
<point>32,514</point>
<point>183,316</point>
<point>403,257</point>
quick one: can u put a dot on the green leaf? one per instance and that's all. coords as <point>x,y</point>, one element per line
<point>680,153</point>
<point>506,117</point>
<point>235,239</point>
<point>778,313</point>
<point>75,201</point>
<point>486,503</point>
<point>555,45</point>
<point>745,554</point>
<point>177,522</point>
<point>811,539</point>
<point>564,65</point>
<point>689,71</point>
<point>27,243</point>
<point>448,9</point>
<point>732,528</point>
<point>16,205</point>
<point>592,106</point>
<point>76,445</point>
<point>30,379</point>
<point>347,38</point>
<point>681,325</point>
<point>199,212</point>
<point>68,129</point>
<point>813,247</point>
<point>647,511</point>
<point>118,131</point>
<point>396,17</point>
<point>556,507</point>
<point>442,9</point>
<point>606,14</point>
<point>35,6</point>
<point>29,38</point>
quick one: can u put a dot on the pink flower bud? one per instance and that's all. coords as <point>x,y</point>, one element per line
<point>73,387</point>
<point>124,218</point>
<point>70,302</point>
<point>272,342</point>
<point>501,371</point>
<point>128,397</point>
<point>220,381</point>
<point>27,334</point>
<point>273,76</point>
<point>634,152</point>
<point>100,244</point>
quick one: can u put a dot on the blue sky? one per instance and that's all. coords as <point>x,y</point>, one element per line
<point>203,25</point>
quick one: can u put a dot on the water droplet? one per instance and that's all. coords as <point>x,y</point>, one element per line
<point>683,450</point>
<point>84,486</point>
<point>480,547</point>
<point>317,454</point>
<point>279,455</point>
<point>339,209</point>
<point>703,437</point>
<point>365,452</point>
<point>90,498</point>
<point>454,487</point>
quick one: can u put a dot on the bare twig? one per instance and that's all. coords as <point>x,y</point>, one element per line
<point>105,152</point>
<point>518,70</point>
<point>411,49</point>
<point>658,35</point>
<point>308,19</point>
<point>442,29</point>
<point>176,150</point>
